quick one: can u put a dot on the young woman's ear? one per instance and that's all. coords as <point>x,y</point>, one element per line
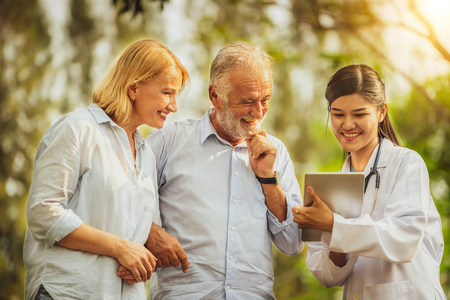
<point>382,113</point>
<point>132,89</point>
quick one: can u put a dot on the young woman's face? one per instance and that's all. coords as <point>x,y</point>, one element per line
<point>355,123</point>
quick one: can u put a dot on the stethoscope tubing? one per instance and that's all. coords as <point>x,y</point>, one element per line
<point>377,175</point>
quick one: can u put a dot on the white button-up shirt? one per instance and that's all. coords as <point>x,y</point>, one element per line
<point>394,253</point>
<point>84,172</point>
<point>212,203</point>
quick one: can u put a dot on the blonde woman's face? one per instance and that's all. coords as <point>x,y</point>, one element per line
<point>156,99</point>
<point>355,121</point>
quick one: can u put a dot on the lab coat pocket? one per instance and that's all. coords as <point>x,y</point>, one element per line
<point>259,208</point>
<point>403,290</point>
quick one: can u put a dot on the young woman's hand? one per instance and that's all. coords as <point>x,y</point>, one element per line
<point>317,216</point>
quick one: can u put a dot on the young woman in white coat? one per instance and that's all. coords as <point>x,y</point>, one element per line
<point>394,249</point>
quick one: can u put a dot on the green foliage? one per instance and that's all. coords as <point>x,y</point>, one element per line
<point>22,60</point>
<point>39,59</point>
<point>293,280</point>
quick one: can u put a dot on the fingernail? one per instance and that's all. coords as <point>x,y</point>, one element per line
<point>309,188</point>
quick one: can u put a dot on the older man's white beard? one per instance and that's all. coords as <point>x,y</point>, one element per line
<point>234,127</point>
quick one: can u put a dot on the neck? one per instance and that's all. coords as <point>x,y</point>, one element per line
<point>129,127</point>
<point>221,132</point>
<point>360,158</point>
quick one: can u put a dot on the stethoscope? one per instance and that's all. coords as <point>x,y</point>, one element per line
<point>375,172</point>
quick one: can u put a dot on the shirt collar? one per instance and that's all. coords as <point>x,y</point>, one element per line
<point>100,117</point>
<point>207,129</point>
<point>139,139</point>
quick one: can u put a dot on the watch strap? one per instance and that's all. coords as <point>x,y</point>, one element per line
<point>268,180</point>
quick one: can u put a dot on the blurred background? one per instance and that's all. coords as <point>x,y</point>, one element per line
<point>52,52</point>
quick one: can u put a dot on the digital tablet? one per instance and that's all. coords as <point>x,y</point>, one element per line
<point>342,192</point>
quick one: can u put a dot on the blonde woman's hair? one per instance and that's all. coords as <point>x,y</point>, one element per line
<point>140,62</point>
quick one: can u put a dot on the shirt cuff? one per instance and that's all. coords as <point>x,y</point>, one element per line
<point>336,239</point>
<point>276,226</point>
<point>62,227</point>
<point>326,239</point>
<point>335,270</point>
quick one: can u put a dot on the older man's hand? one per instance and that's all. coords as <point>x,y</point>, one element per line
<point>167,249</point>
<point>262,153</point>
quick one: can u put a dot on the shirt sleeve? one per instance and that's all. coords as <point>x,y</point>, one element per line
<point>157,141</point>
<point>157,212</point>
<point>286,235</point>
<point>397,236</point>
<point>55,179</point>
<point>323,268</point>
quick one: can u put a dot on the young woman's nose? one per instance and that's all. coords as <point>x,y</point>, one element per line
<point>349,123</point>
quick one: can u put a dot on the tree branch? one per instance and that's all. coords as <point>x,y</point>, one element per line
<point>432,37</point>
<point>440,109</point>
<point>409,28</point>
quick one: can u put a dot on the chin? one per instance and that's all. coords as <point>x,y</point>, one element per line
<point>346,146</point>
<point>155,125</point>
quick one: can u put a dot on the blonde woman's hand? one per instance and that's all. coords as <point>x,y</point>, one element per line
<point>138,260</point>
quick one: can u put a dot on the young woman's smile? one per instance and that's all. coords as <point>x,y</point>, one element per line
<point>355,124</point>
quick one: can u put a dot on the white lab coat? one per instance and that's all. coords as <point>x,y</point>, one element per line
<point>395,253</point>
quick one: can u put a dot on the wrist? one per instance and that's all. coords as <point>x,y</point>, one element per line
<point>119,247</point>
<point>268,179</point>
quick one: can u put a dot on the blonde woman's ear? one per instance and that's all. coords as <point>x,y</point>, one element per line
<point>132,88</point>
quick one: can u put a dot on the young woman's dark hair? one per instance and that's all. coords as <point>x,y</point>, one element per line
<point>365,81</point>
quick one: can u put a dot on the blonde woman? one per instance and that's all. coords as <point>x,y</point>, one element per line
<point>94,191</point>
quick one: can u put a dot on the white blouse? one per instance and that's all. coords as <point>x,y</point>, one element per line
<point>85,173</point>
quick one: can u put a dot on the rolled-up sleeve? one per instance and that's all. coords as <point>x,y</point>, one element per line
<point>324,269</point>
<point>55,179</point>
<point>286,235</point>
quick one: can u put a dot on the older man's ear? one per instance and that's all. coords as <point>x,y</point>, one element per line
<point>212,90</point>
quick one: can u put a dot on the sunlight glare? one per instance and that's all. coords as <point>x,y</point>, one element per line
<point>435,9</point>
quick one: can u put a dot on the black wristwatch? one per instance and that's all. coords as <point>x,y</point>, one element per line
<point>269,180</point>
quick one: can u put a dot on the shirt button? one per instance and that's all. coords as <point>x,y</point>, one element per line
<point>234,200</point>
<point>228,287</point>
<point>356,297</point>
<point>236,173</point>
<point>232,228</point>
<point>231,257</point>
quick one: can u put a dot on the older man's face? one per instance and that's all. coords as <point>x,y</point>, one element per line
<point>248,102</point>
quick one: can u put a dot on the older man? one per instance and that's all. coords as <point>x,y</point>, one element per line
<point>220,199</point>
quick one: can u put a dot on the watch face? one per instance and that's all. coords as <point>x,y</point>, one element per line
<point>277,174</point>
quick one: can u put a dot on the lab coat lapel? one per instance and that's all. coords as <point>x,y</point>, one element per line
<point>385,154</point>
